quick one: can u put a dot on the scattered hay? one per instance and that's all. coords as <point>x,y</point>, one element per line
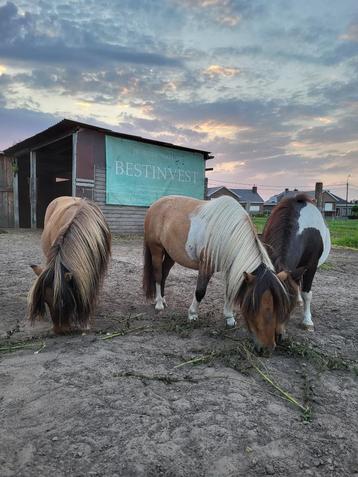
<point>164,378</point>
<point>320,360</point>
<point>241,358</point>
<point>13,347</point>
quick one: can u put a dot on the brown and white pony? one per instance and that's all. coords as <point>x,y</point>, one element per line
<point>76,242</point>
<point>297,240</point>
<point>212,236</point>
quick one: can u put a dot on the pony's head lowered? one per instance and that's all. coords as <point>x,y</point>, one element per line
<point>60,295</point>
<point>233,247</point>
<point>264,304</point>
<point>76,264</point>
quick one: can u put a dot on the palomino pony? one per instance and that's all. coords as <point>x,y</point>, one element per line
<point>76,242</point>
<point>297,239</point>
<point>211,236</point>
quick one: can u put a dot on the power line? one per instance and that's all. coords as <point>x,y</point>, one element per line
<point>251,184</point>
<point>268,186</point>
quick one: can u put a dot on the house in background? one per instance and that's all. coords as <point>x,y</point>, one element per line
<point>332,205</point>
<point>248,198</point>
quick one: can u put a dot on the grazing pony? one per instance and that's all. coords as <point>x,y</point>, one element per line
<point>76,242</point>
<point>297,240</point>
<point>212,236</point>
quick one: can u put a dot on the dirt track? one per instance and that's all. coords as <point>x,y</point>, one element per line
<point>84,406</point>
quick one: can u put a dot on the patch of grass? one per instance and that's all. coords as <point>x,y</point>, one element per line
<point>259,223</point>
<point>327,266</point>
<point>344,233</point>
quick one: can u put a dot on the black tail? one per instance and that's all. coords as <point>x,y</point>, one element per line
<point>148,275</point>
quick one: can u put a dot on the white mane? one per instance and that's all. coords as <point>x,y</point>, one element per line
<point>231,242</point>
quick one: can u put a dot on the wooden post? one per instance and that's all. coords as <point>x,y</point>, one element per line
<point>15,185</point>
<point>33,189</point>
<point>74,163</point>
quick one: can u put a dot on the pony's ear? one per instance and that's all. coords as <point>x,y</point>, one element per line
<point>249,277</point>
<point>282,276</point>
<point>68,276</point>
<point>37,270</point>
<point>297,273</point>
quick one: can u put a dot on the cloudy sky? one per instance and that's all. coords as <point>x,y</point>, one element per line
<point>270,87</point>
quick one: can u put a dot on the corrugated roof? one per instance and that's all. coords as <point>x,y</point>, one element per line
<point>66,126</point>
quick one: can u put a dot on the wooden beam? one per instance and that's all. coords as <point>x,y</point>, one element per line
<point>74,162</point>
<point>33,189</point>
<point>16,193</point>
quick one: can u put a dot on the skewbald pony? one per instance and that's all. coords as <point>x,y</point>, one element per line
<point>233,247</point>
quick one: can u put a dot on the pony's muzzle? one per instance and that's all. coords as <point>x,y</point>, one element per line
<point>263,350</point>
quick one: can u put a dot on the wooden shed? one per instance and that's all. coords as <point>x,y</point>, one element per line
<point>7,218</point>
<point>122,173</point>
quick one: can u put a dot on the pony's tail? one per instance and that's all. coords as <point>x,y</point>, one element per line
<point>148,275</point>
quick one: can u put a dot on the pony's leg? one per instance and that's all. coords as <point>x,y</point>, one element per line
<point>299,297</point>
<point>229,313</point>
<point>307,298</point>
<point>157,261</point>
<point>201,286</point>
<point>167,264</point>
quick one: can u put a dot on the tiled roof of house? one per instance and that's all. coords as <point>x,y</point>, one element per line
<point>275,199</point>
<point>247,195</point>
<point>244,195</point>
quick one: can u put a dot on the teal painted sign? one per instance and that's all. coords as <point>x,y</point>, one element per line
<point>138,173</point>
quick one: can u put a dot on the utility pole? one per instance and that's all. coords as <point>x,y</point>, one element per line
<point>319,196</point>
<point>347,196</point>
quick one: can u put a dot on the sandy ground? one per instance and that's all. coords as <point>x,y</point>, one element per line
<point>88,406</point>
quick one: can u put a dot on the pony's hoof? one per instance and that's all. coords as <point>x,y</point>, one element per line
<point>192,316</point>
<point>230,322</point>
<point>307,327</point>
<point>159,307</point>
<point>165,303</point>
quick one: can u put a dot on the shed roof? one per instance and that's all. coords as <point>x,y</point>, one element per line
<point>67,126</point>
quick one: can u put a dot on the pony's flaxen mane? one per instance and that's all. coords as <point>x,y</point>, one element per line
<point>279,228</point>
<point>231,242</point>
<point>76,264</point>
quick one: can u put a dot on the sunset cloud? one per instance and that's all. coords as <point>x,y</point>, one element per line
<point>352,33</point>
<point>272,92</point>
<point>217,70</point>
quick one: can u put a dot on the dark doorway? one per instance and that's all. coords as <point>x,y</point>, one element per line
<point>23,174</point>
<point>54,174</point>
